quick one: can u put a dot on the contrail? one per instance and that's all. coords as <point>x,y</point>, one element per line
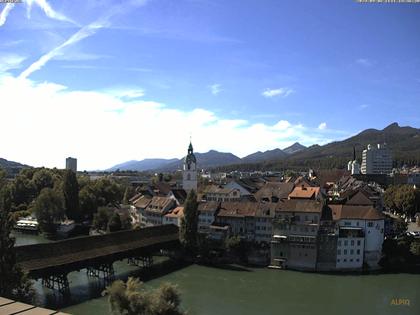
<point>5,13</point>
<point>84,32</point>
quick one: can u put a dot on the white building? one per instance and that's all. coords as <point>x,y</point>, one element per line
<point>71,164</point>
<point>358,223</point>
<point>376,160</point>
<point>174,217</point>
<point>189,173</point>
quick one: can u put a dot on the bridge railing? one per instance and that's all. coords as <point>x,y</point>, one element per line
<point>86,243</point>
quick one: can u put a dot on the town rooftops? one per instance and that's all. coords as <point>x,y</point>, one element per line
<point>219,190</point>
<point>158,204</point>
<point>355,212</point>
<point>238,209</point>
<point>179,194</point>
<point>300,205</point>
<point>178,212</point>
<point>274,189</point>
<point>208,206</point>
<point>304,192</point>
<point>142,202</point>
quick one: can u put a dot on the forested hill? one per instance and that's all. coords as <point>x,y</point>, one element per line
<point>10,166</point>
<point>403,141</point>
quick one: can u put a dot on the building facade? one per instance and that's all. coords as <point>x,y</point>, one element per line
<point>376,160</point>
<point>71,164</point>
<point>295,231</point>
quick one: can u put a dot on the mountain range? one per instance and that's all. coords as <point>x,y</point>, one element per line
<point>208,160</point>
<point>403,141</point>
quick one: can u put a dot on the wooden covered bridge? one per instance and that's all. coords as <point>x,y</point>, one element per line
<point>51,262</point>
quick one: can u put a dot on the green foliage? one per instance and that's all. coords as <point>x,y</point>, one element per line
<point>114,223</point>
<point>49,209</point>
<point>189,223</point>
<point>88,202</point>
<point>71,196</point>
<point>101,218</point>
<point>132,298</point>
<point>397,252</point>
<point>14,283</point>
<point>404,198</point>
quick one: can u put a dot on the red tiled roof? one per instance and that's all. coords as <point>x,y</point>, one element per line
<point>355,212</point>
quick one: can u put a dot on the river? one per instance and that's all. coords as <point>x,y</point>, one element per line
<point>238,290</point>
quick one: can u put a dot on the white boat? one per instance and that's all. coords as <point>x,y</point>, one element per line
<point>27,224</point>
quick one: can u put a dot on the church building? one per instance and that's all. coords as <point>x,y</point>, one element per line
<point>189,174</point>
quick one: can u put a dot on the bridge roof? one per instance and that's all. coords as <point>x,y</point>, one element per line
<point>40,257</point>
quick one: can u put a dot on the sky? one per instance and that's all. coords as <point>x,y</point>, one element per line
<point>111,81</point>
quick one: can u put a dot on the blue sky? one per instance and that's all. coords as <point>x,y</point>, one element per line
<point>110,81</point>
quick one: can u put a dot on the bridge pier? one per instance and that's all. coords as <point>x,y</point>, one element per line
<point>107,271</point>
<point>141,261</point>
<point>57,282</point>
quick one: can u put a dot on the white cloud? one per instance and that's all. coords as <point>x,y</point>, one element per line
<point>364,62</point>
<point>322,126</point>
<point>127,93</point>
<point>43,4</point>
<point>48,10</point>
<point>10,61</point>
<point>284,92</point>
<point>215,89</point>
<point>50,122</point>
<point>5,12</point>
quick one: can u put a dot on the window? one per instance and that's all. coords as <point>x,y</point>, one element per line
<point>357,259</point>
<point>351,251</point>
<point>345,243</point>
<point>306,218</point>
<point>351,260</point>
<point>345,252</point>
<point>347,223</point>
<point>339,252</point>
<point>358,252</point>
<point>297,218</point>
<point>345,260</point>
<point>370,224</point>
<point>338,260</point>
<point>358,243</point>
<point>352,242</point>
<point>339,243</point>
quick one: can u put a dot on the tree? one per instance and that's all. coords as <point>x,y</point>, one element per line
<point>188,230</point>
<point>88,203</point>
<point>71,195</point>
<point>114,223</point>
<point>101,218</point>
<point>49,209</point>
<point>128,193</point>
<point>14,283</point>
<point>132,298</point>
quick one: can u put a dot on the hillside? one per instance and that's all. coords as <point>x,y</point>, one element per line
<point>11,167</point>
<point>294,148</point>
<point>264,156</point>
<point>143,165</point>
<point>403,141</point>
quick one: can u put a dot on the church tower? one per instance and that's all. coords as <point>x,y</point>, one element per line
<point>189,173</point>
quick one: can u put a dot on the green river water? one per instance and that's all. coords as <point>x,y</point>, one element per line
<point>209,290</point>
